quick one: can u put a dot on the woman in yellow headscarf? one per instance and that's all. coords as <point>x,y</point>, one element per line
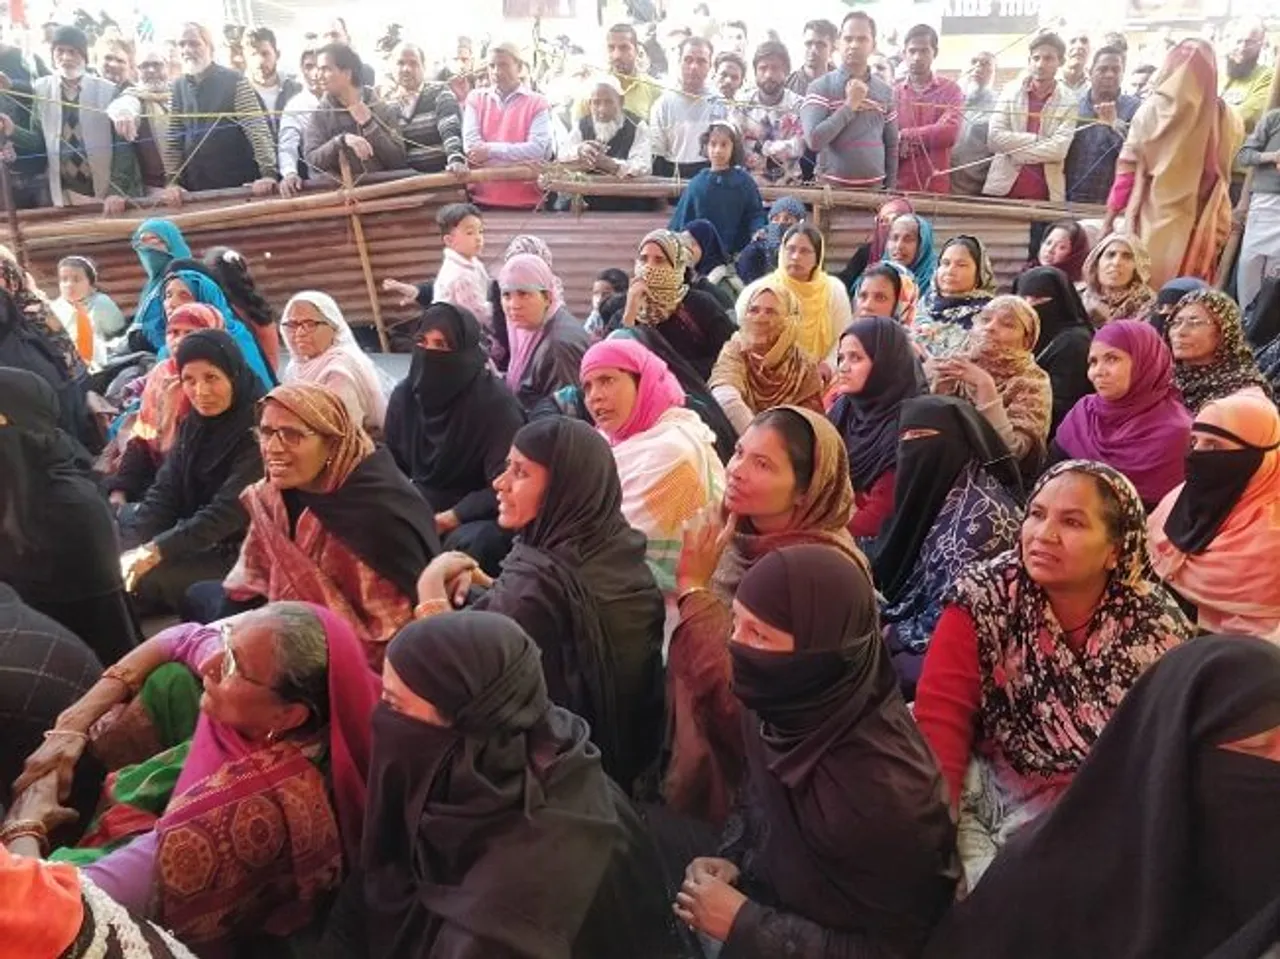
<point>824,304</point>
<point>1174,171</point>
<point>762,366</point>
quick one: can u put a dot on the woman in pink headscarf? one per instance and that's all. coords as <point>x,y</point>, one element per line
<point>547,342</point>
<point>1135,422</point>
<point>1214,539</point>
<point>666,455</point>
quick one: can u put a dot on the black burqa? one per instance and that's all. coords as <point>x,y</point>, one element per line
<point>58,545</point>
<point>23,348</point>
<point>849,843</point>
<point>451,422</point>
<point>1065,336</point>
<point>489,837</point>
<point>868,419</point>
<point>1187,866</point>
<point>928,467</point>
<point>577,581</point>
<point>209,450</point>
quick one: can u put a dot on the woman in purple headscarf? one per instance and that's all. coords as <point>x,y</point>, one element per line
<point>1136,422</point>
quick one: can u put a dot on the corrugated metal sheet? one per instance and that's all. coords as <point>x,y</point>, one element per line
<point>286,256</point>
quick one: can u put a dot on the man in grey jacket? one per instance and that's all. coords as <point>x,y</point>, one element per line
<point>848,115</point>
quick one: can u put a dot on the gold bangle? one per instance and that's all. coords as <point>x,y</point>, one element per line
<point>122,675</point>
<point>431,607</point>
<point>689,592</point>
<point>66,732</point>
<point>26,827</point>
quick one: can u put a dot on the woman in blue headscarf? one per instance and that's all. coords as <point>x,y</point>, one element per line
<point>760,257</point>
<point>188,286</point>
<point>157,243</point>
<point>910,245</point>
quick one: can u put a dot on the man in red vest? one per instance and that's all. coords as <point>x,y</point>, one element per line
<point>506,124</point>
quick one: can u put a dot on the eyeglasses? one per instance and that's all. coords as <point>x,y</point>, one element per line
<point>301,326</point>
<point>289,437</point>
<point>1190,325</point>
<point>230,667</point>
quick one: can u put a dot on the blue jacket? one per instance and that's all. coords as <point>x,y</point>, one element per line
<point>730,199</point>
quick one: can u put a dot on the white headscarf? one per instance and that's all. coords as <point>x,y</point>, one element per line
<point>343,368</point>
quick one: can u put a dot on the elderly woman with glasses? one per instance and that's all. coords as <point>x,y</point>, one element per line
<point>334,522</point>
<point>252,733</point>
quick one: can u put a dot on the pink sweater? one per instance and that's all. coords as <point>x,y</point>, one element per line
<point>515,129</point>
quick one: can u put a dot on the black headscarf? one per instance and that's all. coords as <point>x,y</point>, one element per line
<point>1066,333</point>
<point>1262,316</point>
<point>579,567</point>
<point>497,828</point>
<point>826,723</point>
<point>57,540</point>
<point>868,420</point>
<point>927,469</point>
<point>24,348</point>
<point>207,446</point>
<point>382,517</point>
<point>443,417</point>
<point>1216,480</point>
<point>1185,866</point>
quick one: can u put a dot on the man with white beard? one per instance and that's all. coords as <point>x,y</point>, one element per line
<point>969,172</point>
<point>609,140</point>
<point>70,124</point>
<point>218,137</point>
<point>141,117</point>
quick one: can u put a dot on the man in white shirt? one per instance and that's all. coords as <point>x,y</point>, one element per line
<point>294,120</point>
<point>679,118</point>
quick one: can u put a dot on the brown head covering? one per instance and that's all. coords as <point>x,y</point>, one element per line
<point>324,412</point>
<point>822,514</point>
<point>780,375</point>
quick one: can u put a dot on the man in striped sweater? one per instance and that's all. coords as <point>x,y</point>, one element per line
<point>430,118</point>
<point>849,118</point>
<point>218,136</point>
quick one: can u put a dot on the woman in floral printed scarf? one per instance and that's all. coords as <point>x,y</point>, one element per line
<point>1036,648</point>
<point>1117,280</point>
<point>1210,356</point>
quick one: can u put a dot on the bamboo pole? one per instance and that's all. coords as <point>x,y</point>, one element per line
<point>819,197</point>
<point>235,214</point>
<point>366,265</point>
<point>1241,211</point>
<point>11,210</point>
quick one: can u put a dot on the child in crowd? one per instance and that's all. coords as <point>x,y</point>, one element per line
<point>463,281</point>
<point>89,316</point>
<point>726,194</point>
<point>608,283</point>
<point>761,255</point>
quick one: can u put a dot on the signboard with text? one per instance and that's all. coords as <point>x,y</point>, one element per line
<point>989,16</point>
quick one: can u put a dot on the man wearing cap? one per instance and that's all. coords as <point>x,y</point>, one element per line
<point>70,125</point>
<point>609,140</point>
<point>506,124</point>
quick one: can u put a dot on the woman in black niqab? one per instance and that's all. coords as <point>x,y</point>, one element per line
<point>1188,865</point>
<point>1065,336</point>
<point>449,425</point>
<point>488,836</point>
<point>843,838</point>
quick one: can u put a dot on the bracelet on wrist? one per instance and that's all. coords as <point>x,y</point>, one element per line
<point>122,674</point>
<point>431,607</point>
<point>689,591</point>
<point>75,733</point>
<point>19,828</point>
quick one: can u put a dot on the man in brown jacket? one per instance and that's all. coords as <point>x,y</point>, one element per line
<point>351,120</point>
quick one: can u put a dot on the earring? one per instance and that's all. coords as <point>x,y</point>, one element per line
<point>271,736</point>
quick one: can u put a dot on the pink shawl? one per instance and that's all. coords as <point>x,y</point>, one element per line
<point>658,390</point>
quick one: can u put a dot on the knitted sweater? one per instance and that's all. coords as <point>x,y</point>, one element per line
<point>730,199</point>
<point>855,148</point>
<point>433,131</point>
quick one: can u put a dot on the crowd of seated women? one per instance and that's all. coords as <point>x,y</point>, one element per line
<point>811,616</point>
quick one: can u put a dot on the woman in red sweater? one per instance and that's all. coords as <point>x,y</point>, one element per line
<point>1036,648</point>
<point>877,372</point>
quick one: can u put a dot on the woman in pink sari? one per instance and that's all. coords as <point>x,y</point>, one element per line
<point>1174,172</point>
<point>251,803</point>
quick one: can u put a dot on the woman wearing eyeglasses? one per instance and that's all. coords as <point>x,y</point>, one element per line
<point>449,426</point>
<point>189,525</point>
<point>247,803</point>
<point>1211,359</point>
<point>323,351</point>
<point>334,522</point>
